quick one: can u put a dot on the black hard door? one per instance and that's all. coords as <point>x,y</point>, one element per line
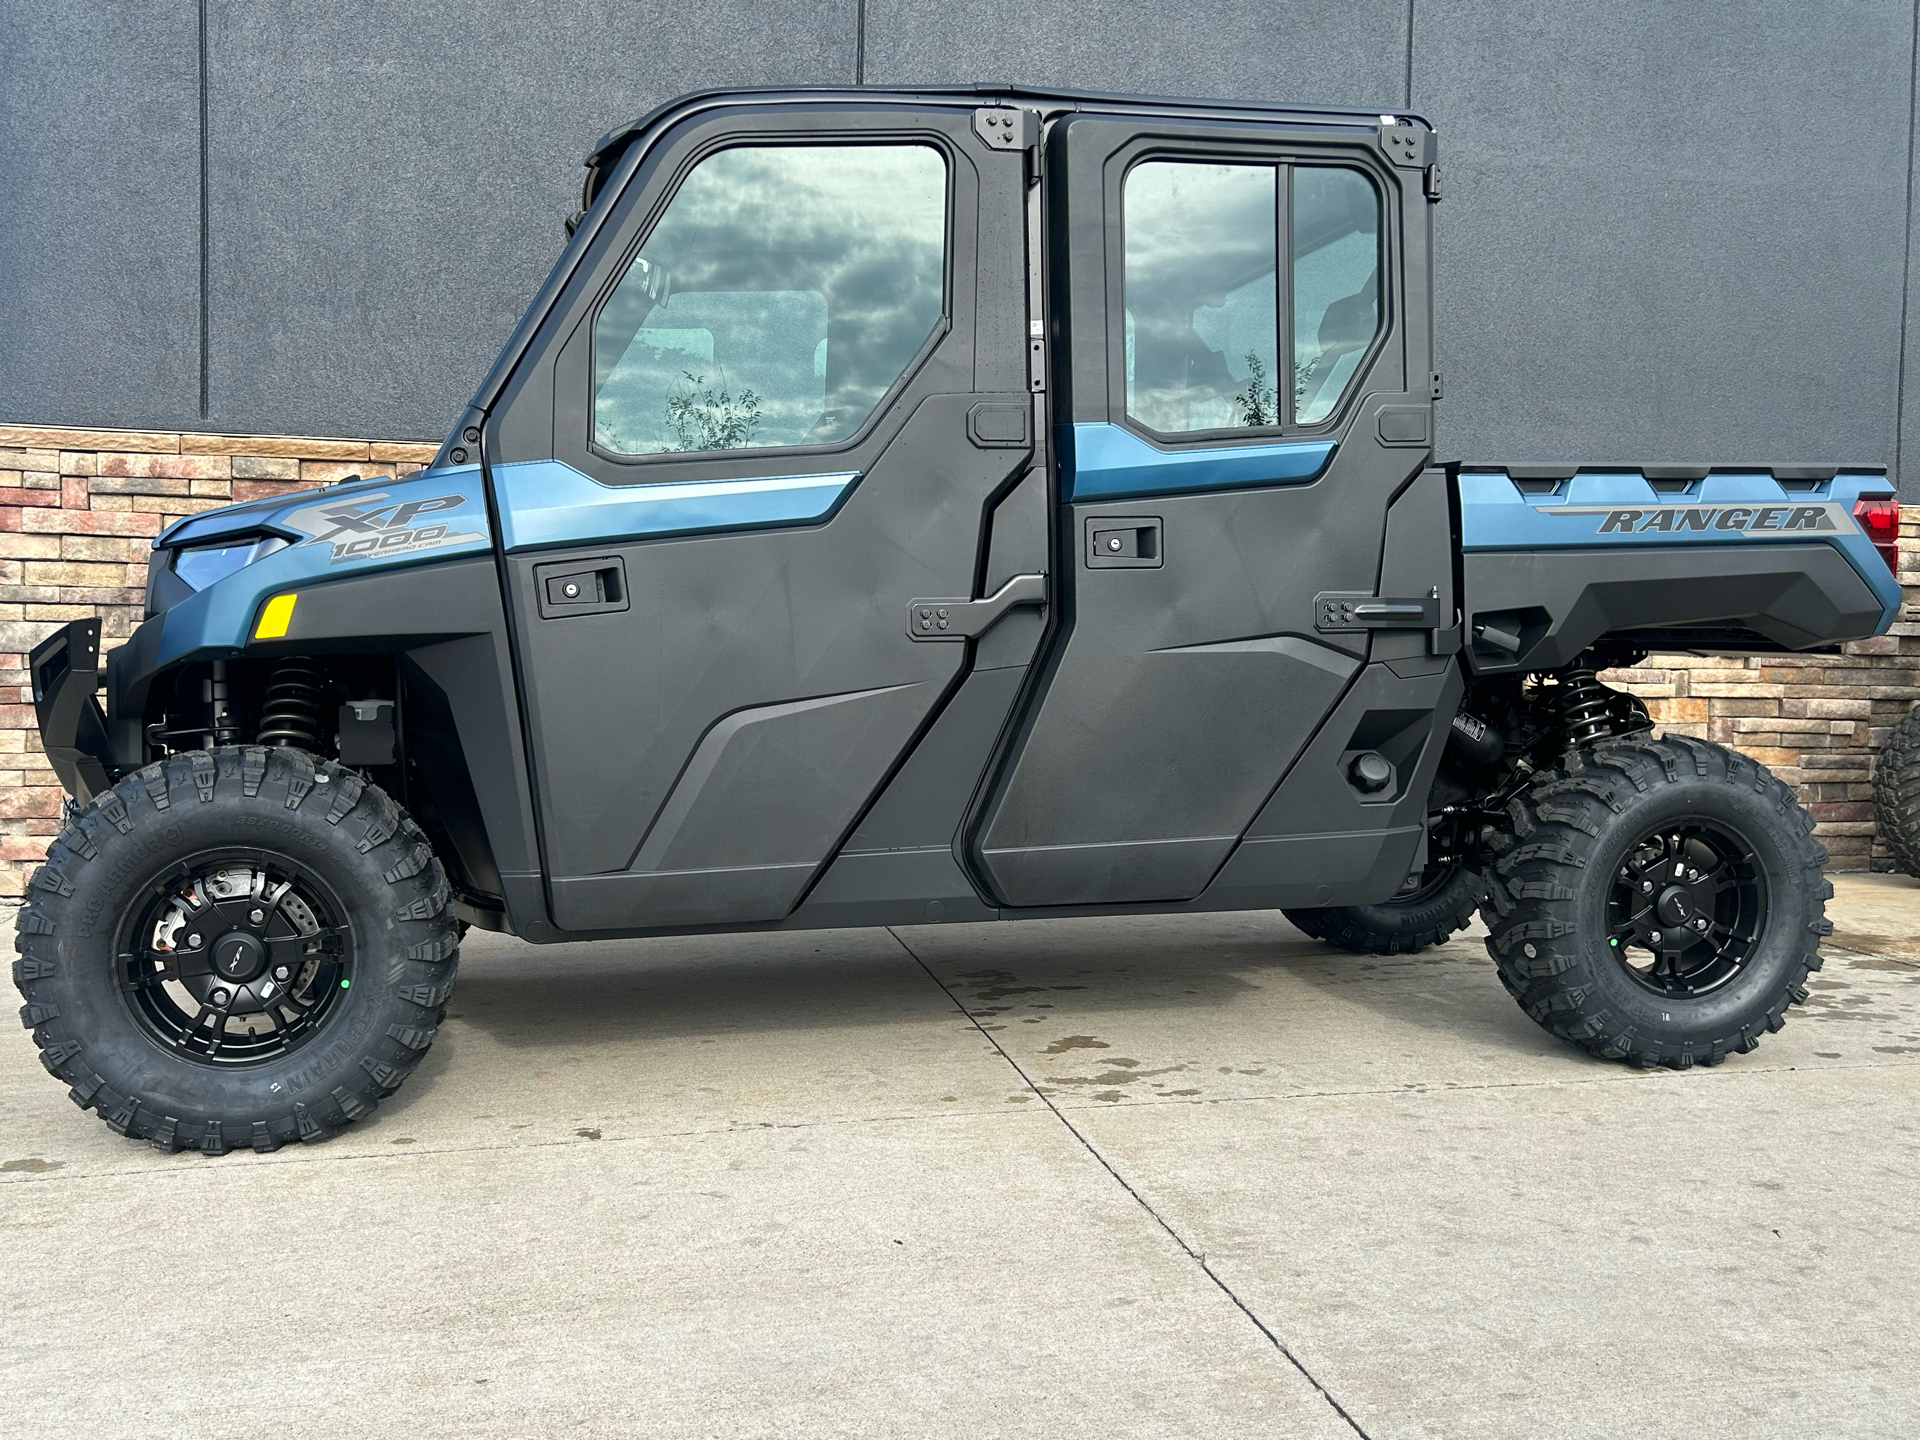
<point>777,406</point>
<point>1246,391</point>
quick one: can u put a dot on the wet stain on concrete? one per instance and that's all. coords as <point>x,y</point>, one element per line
<point>1125,1075</point>
<point>31,1165</point>
<point>1896,1049</point>
<point>1075,1042</point>
<point>1827,1054</point>
<point>1883,964</point>
<point>587,1133</point>
<point>401,1140</point>
<point>1109,1096</point>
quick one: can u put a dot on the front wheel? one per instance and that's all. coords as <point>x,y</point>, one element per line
<point>1657,901</point>
<point>1432,908</point>
<point>237,947</point>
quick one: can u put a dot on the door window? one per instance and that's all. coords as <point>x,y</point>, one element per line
<point>1201,310</point>
<point>1336,284</point>
<point>778,299</point>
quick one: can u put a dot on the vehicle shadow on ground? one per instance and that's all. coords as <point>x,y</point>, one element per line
<point>622,991</point>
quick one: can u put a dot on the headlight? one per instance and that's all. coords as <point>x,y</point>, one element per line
<point>201,565</point>
<point>173,575</point>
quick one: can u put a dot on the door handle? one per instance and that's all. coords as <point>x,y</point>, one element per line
<point>581,587</point>
<point>963,619</point>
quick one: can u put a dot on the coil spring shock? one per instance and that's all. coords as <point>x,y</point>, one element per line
<point>290,713</point>
<point>1585,707</point>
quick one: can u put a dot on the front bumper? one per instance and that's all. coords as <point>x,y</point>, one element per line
<point>65,673</point>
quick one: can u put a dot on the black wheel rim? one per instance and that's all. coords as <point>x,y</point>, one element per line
<point>236,959</point>
<point>1687,909</point>
<point>1428,883</point>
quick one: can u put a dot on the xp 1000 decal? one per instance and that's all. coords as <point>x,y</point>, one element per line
<point>380,526</point>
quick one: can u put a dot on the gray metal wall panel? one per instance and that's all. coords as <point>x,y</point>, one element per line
<point>1909,425</point>
<point>99,214</point>
<point>1301,50</point>
<point>388,181</point>
<point>1669,232</point>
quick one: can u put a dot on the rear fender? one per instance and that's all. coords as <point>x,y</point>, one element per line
<point>1747,562</point>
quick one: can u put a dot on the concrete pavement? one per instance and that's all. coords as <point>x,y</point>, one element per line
<point>1165,1177</point>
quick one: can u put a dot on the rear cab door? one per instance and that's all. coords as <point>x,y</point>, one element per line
<point>1242,388</point>
<point>780,399</point>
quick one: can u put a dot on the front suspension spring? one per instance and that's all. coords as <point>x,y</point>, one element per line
<point>291,713</point>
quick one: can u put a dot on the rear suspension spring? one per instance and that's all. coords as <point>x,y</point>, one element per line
<point>291,712</point>
<point>1585,707</point>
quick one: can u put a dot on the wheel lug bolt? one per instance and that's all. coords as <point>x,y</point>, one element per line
<point>219,997</point>
<point>256,916</point>
<point>194,941</point>
<point>1654,936</point>
<point>1700,924</point>
<point>1693,874</point>
<point>1646,887</point>
<point>280,972</point>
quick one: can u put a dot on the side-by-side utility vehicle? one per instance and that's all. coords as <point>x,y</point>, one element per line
<point>902,508</point>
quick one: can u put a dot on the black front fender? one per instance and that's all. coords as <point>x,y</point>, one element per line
<point>65,672</point>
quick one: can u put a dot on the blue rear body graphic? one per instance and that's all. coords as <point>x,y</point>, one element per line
<point>1609,509</point>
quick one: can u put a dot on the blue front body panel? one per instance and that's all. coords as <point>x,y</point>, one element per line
<point>441,513</point>
<point>1101,461</point>
<point>348,530</point>
<point>1611,510</point>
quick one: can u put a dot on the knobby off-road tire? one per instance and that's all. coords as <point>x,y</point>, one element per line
<point>1570,919</point>
<point>1896,792</point>
<point>267,862</point>
<point>1439,909</point>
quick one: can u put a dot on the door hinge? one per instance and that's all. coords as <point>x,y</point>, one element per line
<point>1434,387</point>
<point>1007,127</point>
<point>1011,127</point>
<point>1433,183</point>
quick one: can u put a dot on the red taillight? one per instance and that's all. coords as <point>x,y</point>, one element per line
<point>1881,520</point>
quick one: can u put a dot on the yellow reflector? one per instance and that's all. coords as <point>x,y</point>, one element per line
<point>275,618</point>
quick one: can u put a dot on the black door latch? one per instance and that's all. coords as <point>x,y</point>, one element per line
<point>961,619</point>
<point>1337,610</point>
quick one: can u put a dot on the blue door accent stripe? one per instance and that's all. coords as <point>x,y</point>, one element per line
<point>1102,459</point>
<point>548,502</point>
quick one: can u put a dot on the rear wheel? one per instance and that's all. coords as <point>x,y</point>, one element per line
<point>1428,911</point>
<point>238,947</point>
<point>1657,901</point>
<point>1896,792</point>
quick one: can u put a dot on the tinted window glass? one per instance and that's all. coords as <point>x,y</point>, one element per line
<point>1201,317</point>
<point>777,300</point>
<point>1336,284</point>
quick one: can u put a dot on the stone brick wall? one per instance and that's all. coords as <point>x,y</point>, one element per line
<point>78,509</point>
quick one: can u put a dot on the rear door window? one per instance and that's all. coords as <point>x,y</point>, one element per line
<point>1336,284</point>
<point>777,300</point>
<point>1203,307</point>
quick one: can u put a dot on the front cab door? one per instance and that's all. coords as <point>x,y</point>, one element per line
<point>777,403</point>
